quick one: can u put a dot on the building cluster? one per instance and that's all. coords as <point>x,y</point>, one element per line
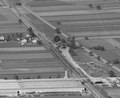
<point>109,81</point>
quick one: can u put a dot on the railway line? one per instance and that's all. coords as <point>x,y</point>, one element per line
<point>49,44</point>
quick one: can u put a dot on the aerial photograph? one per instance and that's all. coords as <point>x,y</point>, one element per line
<point>59,48</point>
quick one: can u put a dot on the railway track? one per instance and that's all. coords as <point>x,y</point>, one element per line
<point>49,45</point>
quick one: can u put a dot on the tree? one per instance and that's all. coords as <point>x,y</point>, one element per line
<point>31,32</point>
<point>109,97</point>
<point>116,61</point>
<point>20,21</point>
<point>111,73</point>
<point>13,36</point>
<point>38,77</point>
<point>102,48</point>
<point>20,35</point>
<point>50,77</point>
<point>18,3</point>
<point>57,30</point>
<point>98,57</point>
<point>58,75</point>
<point>8,37</point>
<point>91,53</point>
<point>58,23</point>
<point>91,5</point>
<point>63,41</point>
<point>56,38</point>
<point>18,93</point>
<point>5,78</point>
<point>98,7</point>
<point>39,42</point>
<point>73,42</point>
<point>86,38</point>
<point>16,77</point>
<point>72,52</point>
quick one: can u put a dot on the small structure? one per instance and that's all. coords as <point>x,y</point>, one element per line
<point>2,38</point>
<point>22,42</point>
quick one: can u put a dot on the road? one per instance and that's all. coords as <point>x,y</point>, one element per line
<point>50,45</point>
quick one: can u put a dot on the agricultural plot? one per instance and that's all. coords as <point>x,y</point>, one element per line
<point>109,53</point>
<point>47,3</point>
<point>91,65</point>
<point>79,20</point>
<point>106,49</point>
<point>9,23</point>
<point>85,24</point>
<point>28,61</point>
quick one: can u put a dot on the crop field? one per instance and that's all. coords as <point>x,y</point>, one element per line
<point>79,20</point>
<point>9,22</point>
<point>84,24</point>
<point>47,3</point>
<point>27,60</point>
<point>110,53</point>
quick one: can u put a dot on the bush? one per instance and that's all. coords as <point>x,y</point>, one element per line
<point>99,48</point>
<point>5,78</point>
<point>16,77</point>
<point>91,53</point>
<point>111,73</point>
<point>39,42</point>
<point>38,77</point>
<point>57,30</point>
<point>116,61</point>
<point>86,38</point>
<point>58,23</point>
<point>13,36</point>
<point>72,53</point>
<point>20,35</point>
<point>8,37</point>
<point>102,48</point>
<point>98,57</point>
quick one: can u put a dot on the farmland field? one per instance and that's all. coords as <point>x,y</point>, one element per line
<point>47,3</point>
<point>78,19</point>
<point>28,60</point>
<point>110,52</point>
<point>97,69</point>
<point>9,22</point>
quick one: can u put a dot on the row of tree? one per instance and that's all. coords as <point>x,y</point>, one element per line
<point>98,48</point>
<point>17,77</point>
<point>98,7</point>
<point>12,36</point>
